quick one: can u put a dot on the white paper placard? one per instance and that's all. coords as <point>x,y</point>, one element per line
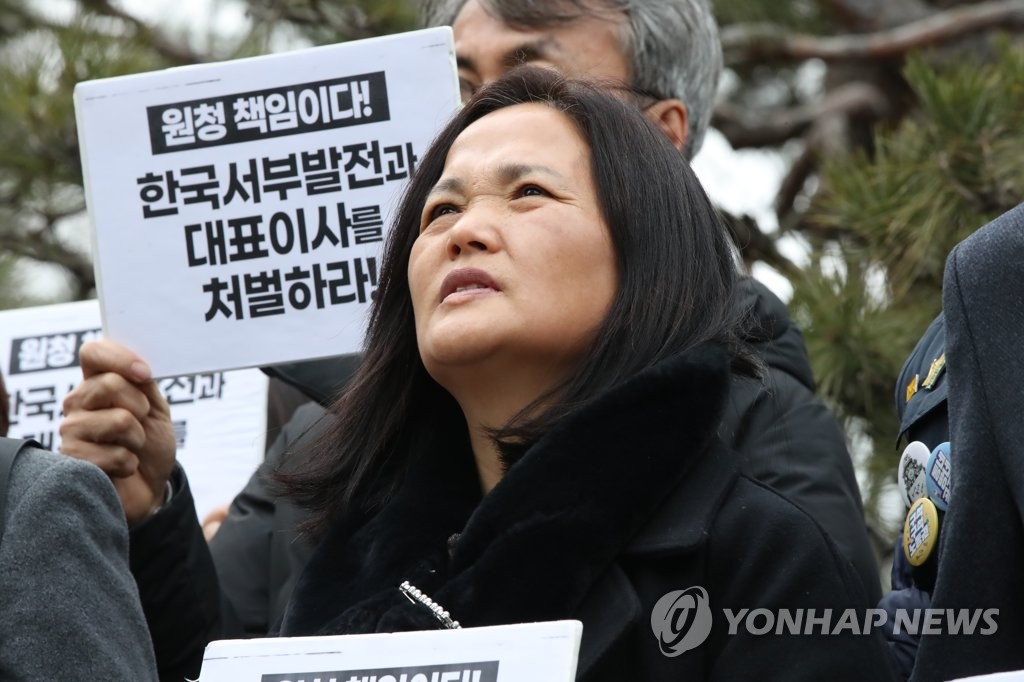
<point>529,652</point>
<point>1015,676</point>
<point>219,417</point>
<point>239,208</point>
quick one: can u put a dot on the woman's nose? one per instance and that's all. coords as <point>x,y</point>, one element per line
<point>473,232</point>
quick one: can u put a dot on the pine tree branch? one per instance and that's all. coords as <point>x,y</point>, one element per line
<point>745,128</point>
<point>39,248</point>
<point>800,224</point>
<point>755,245</point>
<point>746,43</point>
<point>172,50</point>
<point>793,183</point>
<point>344,20</point>
<point>829,135</point>
<point>872,15</point>
<point>41,243</point>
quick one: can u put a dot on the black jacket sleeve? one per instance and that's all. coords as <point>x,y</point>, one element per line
<point>177,584</point>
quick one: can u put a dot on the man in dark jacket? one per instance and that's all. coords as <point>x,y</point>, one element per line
<point>981,551</point>
<point>786,436</point>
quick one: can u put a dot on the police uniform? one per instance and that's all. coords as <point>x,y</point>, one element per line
<point>921,389</point>
<point>923,414</point>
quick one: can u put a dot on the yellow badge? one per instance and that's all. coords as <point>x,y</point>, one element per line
<point>912,388</point>
<point>921,531</point>
<point>934,371</point>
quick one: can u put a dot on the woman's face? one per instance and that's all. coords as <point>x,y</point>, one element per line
<point>514,263</point>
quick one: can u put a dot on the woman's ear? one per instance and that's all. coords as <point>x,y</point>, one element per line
<point>670,116</point>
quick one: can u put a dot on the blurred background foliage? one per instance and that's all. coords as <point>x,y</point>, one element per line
<point>899,123</point>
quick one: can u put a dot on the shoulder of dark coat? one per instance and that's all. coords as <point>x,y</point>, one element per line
<point>999,241</point>
<point>988,266</point>
<point>717,498</point>
<point>771,331</point>
<point>322,379</point>
<point>39,471</point>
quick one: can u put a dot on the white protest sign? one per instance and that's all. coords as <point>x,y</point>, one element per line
<point>219,417</point>
<point>239,208</point>
<point>529,652</point>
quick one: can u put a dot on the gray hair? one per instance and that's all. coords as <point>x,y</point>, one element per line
<point>673,45</point>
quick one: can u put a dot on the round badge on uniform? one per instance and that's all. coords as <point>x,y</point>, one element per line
<point>938,476</point>
<point>920,531</point>
<point>910,475</point>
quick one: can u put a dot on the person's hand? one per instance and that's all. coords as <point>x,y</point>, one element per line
<point>211,524</point>
<point>118,420</point>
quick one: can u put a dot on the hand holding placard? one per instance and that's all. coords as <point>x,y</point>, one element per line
<point>118,420</point>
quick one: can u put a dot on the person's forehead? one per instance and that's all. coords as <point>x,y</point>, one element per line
<point>482,34</point>
<point>539,129</point>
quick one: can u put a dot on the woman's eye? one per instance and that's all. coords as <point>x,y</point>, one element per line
<point>441,210</point>
<point>532,191</point>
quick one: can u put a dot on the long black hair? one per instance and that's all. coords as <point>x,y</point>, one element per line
<point>676,278</point>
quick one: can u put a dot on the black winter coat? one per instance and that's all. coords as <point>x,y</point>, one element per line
<point>627,499</point>
<point>239,585</point>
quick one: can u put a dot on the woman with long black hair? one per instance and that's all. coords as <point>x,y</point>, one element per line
<point>532,433</point>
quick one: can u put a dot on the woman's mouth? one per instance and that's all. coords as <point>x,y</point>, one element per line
<point>466,283</point>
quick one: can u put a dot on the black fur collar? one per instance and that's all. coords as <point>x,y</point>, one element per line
<point>532,548</point>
